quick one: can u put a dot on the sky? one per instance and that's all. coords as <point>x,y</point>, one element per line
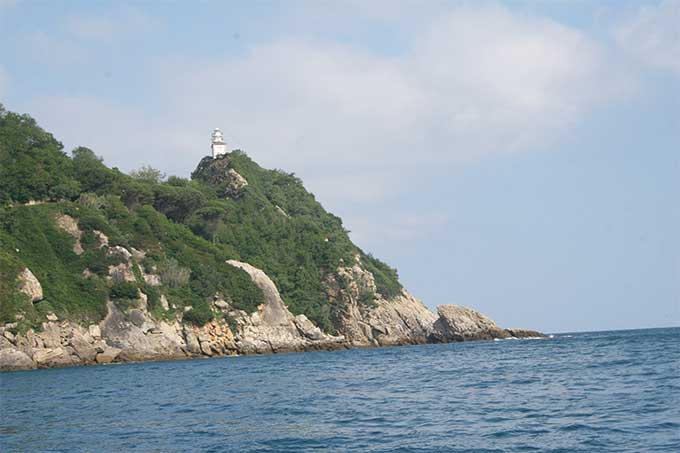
<point>521,158</point>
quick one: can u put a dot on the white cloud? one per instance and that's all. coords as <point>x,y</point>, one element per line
<point>653,35</point>
<point>473,82</point>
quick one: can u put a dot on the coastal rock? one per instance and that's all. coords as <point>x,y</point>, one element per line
<point>12,360</point>
<point>307,328</point>
<point>48,356</point>
<point>458,323</point>
<point>368,318</point>
<point>525,333</point>
<point>192,344</point>
<point>29,285</point>
<point>50,335</point>
<point>272,328</point>
<point>120,332</point>
<point>108,355</point>
<point>83,346</point>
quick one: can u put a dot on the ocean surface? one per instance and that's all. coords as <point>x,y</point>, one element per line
<point>587,392</point>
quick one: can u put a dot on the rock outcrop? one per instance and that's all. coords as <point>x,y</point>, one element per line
<point>135,335</point>
<point>273,328</point>
<point>69,225</point>
<point>458,323</point>
<point>366,318</point>
<point>369,319</point>
<point>29,285</point>
<point>218,173</point>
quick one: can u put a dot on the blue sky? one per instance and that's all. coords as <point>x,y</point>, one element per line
<point>521,157</point>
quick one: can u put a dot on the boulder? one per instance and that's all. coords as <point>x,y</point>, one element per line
<point>193,346</point>
<point>525,333</point>
<point>103,239</point>
<point>48,356</point>
<point>221,304</point>
<point>152,280</point>
<point>95,331</point>
<point>9,335</point>
<point>164,302</point>
<point>273,328</point>
<point>69,225</point>
<point>83,348</point>
<point>30,285</point>
<point>12,360</point>
<point>118,250</point>
<point>307,328</point>
<point>50,335</point>
<point>122,273</point>
<point>108,355</point>
<point>458,323</point>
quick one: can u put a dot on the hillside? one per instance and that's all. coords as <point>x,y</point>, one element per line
<point>96,264</point>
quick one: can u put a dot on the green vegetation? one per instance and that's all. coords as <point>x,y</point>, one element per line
<point>188,228</point>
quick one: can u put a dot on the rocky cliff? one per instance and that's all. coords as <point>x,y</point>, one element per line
<point>97,266</point>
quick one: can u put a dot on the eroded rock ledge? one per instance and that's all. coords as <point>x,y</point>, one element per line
<point>135,335</point>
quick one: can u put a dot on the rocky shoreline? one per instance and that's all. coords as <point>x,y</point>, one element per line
<point>136,336</point>
<point>132,333</point>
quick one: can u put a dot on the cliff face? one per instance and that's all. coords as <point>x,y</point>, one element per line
<point>399,320</point>
<point>97,266</point>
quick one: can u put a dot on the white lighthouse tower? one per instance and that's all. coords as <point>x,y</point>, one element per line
<point>218,146</point>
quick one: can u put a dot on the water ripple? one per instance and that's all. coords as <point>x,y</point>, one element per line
<point>608,391</point>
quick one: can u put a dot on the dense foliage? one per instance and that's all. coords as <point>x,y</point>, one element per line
<point>188,228</point>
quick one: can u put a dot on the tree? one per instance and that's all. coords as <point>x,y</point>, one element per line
<point>149,174</point>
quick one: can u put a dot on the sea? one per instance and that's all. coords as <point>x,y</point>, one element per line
<point>615,391</point>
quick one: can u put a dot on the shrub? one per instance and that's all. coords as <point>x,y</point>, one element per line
<point>174,275</point>
<point>200,314</point>
<point>123,290</point>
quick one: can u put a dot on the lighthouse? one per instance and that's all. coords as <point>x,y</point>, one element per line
<point>218,146</point>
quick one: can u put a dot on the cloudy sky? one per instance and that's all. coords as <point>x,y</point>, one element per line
<point>520,157</point>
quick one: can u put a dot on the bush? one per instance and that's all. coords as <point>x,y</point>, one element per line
<point>174,275</point>
<point>123,290</point>
<point>200,314</point>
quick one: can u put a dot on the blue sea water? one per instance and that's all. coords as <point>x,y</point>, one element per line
<point>606,391</point>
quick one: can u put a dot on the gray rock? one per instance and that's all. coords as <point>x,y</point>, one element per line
<point>221,304</point>
<point>525,333</point>
<point>398,320</point>
<point>30,285</point>
<point>273,328</point>
<point>48,356</point>
<point>11,360</point>
<point>83,348</point>
<point>118,250</point>
<point>108,355</point>
<point>191,340</point>
<point>307,328</point>
<point>52,317</point>
<point>458,323</point>
<point>9,335</point>
<point>137,317</point>
<point>95,331</point>
<point>164,302</point>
